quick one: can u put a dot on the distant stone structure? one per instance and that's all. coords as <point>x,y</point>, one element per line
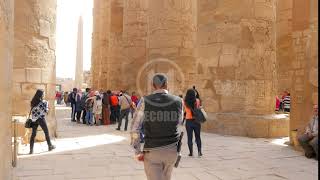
<point>79,57</point>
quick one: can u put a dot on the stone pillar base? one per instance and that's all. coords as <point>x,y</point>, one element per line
<point>256,126</point>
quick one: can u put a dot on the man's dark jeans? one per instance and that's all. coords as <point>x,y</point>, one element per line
<point>84,113</point>
<point>124,114</point>
<point>114,117</point>
<point>43,125</point>
<point>309,144</point>
<point>73,111</point>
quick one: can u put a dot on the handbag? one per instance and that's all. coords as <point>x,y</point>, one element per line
<point>29,122</point>
<point>199,114</point>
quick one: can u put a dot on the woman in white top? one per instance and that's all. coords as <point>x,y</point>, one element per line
<point>97,106</point>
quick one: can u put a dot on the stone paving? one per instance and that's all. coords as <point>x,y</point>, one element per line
<point>101,153</point>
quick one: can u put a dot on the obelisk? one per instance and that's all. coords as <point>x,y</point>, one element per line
<point>79,60</point>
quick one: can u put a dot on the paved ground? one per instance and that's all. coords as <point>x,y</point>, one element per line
<point>101,153</point>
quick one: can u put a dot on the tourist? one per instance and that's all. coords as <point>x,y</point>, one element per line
<point>65,98</point>
<point>191,102</point>
<point>114,108</point>
<point>97,107</point>
<point>309,140</point>
<point>125,106</point>
<point>277,104</point>
<point>58,97</point>
<point>39,110</point>
<point>135,100</point>
<point>78,105</point>
<point>89,109</point>
<point>72,100</point>
<point>286,103</point>
<point>161,132</point>
<point>106,107</point>
<point>83,104</point>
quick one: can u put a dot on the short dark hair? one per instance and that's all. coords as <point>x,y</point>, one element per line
<point>159,80</point>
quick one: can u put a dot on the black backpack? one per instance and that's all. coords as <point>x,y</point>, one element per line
<point>83,101</point>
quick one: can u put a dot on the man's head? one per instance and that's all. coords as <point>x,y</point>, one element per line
<point>315,109</point>
<point>87,90</point>
<point>160,81</point>
<point>74,90</point>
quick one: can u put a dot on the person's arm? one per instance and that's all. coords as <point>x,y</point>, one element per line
<point>315,127</point>
<point>136,126</point>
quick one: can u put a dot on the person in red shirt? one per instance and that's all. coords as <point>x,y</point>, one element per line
<point>135,100</point>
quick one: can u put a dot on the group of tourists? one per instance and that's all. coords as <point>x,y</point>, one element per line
<point>102,108</point>
<point>283,102</point>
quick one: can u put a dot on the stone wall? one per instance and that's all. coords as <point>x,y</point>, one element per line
<point>34,55</point>
<point>236,64</point>
<point>297,57</point>
<point>6,56</point>
<point>134,40</point>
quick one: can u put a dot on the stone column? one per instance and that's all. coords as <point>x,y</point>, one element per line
<point>104,45</point>
<point>6,56</point>
<point>34,55</point>
<point>171,41</point>
<point>79,60</point>
<point>134,40</point>
<point>116,76</point>
<point>297,57</point>
<point>96,34</point>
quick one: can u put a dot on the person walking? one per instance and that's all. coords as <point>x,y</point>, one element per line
<point>161,114</point>
<point>39,110</point>
<point>72,100</point>
<point>97,107</point>
<point>125,106</point>
<point>78,107</point>
<point>191,102</point>
<point>106,107</point>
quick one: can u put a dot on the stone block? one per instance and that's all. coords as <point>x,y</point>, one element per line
<point>33,75</point>
<point>313,76</point>
<point>228,60</point>
<point>28,89</point>
<point>44,28</point>
<point>16,89</point>
<point>46,76</point>
<point>19,75</point>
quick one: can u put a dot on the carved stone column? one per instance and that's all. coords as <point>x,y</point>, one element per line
<point>6,55</point>
<point>34,55</point>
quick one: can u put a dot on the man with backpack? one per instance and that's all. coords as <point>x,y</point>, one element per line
<point>114,102</point>
<point>161,114</point>
<point>125,104</point>
<point>72,100</point>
